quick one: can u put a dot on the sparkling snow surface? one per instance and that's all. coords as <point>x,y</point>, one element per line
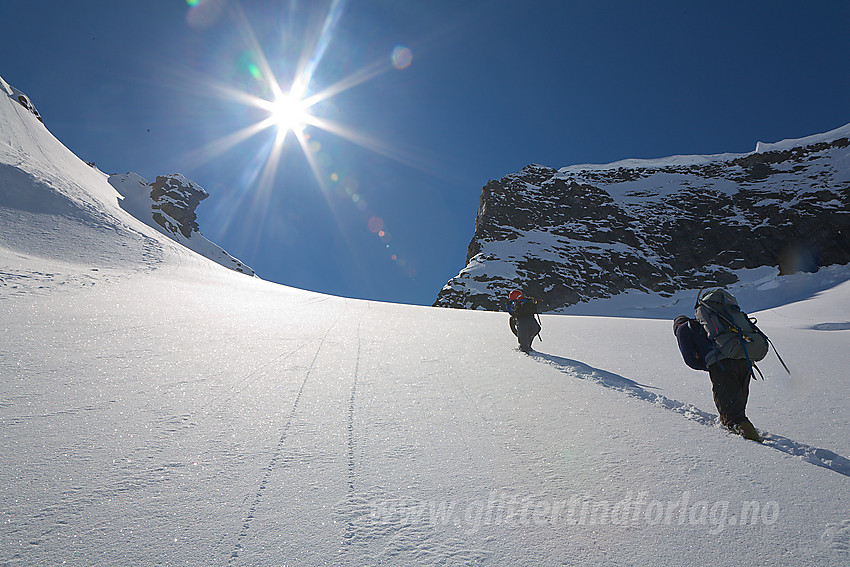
<point>159,409</point>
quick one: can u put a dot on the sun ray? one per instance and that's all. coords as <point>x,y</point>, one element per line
<point>389,151</point>
<point>359,77</point>
<point>308,64</point>
<point>250,38</point>
<point>221,145</point>
<point>269,170</point>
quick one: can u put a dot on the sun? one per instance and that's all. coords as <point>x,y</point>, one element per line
<point>288,113</point>
<point>293,106</point>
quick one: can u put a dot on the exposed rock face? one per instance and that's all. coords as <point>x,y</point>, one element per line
<point>588,232</point>
<point>174,201</point>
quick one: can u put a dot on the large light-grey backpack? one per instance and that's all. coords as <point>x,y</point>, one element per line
<point>734,332</point>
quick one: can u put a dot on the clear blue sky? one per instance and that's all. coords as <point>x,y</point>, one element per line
<point>492,86</point>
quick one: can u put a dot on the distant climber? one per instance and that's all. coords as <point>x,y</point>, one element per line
<point>705,345</point>
<point>524,321</point>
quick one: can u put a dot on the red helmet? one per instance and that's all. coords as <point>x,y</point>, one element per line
<point>515,294</point>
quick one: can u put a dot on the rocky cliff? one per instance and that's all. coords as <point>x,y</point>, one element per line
<point>684,222</point>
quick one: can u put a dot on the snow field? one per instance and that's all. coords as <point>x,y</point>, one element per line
<point>239,422</point>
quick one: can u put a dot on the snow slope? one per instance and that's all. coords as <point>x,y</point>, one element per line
<point>44,187</point>
<point>159,409</point>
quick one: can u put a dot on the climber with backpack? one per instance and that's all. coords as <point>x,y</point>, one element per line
<point>524,321</point>
<point>725,342</point>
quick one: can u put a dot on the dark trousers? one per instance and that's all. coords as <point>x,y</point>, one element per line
<point>525,329</point>
<point>730,384</point>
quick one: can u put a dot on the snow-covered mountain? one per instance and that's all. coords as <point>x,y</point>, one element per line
<point>167,205</point>
<point>591,232</point>
<point>157,408</point>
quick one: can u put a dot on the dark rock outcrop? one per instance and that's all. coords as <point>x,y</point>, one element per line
<point>174,202</point>
<point>168,205</point>
<point>588,232</point>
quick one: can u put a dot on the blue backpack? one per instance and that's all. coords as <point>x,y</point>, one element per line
<point>525,307</point>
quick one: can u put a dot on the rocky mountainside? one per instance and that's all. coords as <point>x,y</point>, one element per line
<point>684,222</point>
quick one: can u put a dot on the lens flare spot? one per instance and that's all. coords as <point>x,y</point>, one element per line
<point>798,258</point>
<point>376,224</point>
<point>401,57</point>
<point>334,177</point>
<point>204,13</point>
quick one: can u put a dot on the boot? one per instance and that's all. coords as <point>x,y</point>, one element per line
<point>748,431</point>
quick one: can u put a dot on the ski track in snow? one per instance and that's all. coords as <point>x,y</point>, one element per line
<point>249,380</point>
<point>814,455</point>
<point>359,528</point>
<point>370,537</point>
<point>621,384</point>
<point>278,450</point>
<point>350,528</point>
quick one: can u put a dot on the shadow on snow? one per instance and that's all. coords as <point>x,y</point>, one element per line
<point>816,456</point>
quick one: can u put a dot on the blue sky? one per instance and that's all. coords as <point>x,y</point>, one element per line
<point>379,200</point>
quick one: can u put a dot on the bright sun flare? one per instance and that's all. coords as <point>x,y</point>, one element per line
<point>288,112</point>
<point>292,110</point>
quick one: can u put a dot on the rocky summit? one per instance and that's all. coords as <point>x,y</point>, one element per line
<point>685,222</point>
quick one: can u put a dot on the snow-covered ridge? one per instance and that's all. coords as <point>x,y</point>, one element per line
<point>19,97</point>
<point>826,137</point>
<point>168,205</point>
<point>686,160</point>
